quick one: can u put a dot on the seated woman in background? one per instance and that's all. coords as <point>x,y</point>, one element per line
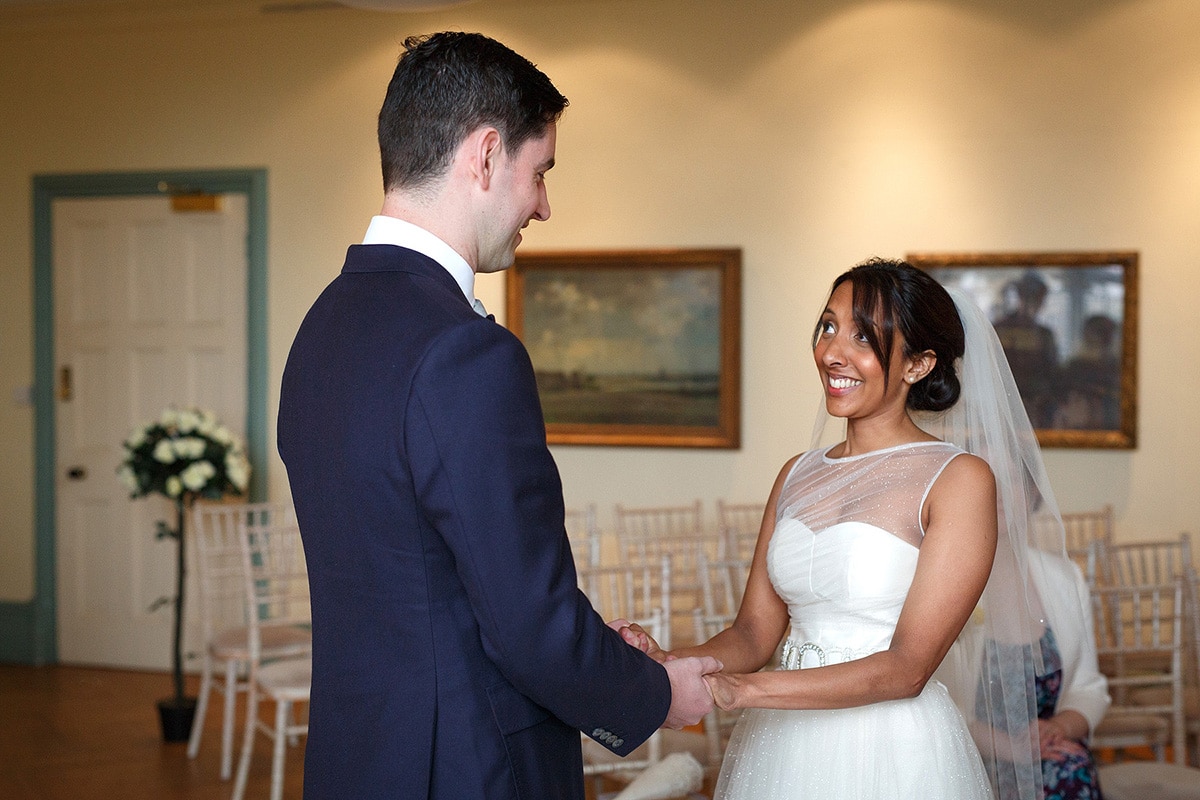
<point>1071,694</point>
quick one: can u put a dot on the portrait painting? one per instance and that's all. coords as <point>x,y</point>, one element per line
<point>1068,326</point>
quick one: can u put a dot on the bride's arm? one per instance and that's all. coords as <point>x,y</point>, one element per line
<point>762,619</point>
<point>952,570</point>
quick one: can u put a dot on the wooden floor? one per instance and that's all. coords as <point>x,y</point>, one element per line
<point>72,733</point>
<point>75,733</point>
<point>68,733</point>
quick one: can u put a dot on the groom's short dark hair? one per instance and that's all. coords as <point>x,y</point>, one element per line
<point>448,84</point>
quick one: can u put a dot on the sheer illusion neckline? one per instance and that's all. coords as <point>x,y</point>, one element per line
<point>883,450</point>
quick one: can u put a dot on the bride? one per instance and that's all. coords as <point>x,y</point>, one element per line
<point>876,552</point>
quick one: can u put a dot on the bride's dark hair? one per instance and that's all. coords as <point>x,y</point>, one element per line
<point>893,296</point>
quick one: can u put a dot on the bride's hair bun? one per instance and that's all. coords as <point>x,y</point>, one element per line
<point>937,391</point>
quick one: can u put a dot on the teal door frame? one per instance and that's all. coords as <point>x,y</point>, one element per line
<point>28,631</point>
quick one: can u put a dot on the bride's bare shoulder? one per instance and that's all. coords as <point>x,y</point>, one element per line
<point>965,473</point>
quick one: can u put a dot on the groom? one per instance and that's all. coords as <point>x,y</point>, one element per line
<point>453,655</point>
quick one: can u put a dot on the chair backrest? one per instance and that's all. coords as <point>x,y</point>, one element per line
<point>718,723</point>
<point>1191,645</point>
<point>1139,643</point>
<point>722,583</point>
<point>584,532</point>
<point>684,553</point>
<point>1137,563</point>
<point>216,533</point>
<point>640,593</point>
<point>739,524</point>
<point>657,522</point>
<point>1081,529</point>
<point>646,534</point>
<point>275,575</point>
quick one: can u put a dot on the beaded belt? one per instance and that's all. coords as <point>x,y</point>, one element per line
<point>792,656</point>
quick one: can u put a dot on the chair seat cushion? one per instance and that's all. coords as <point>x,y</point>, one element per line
<point>1161,696</point>
<point>1124,724</point>
<point>287,678</point>
<point>1149,780</point>
<point>277,641</point>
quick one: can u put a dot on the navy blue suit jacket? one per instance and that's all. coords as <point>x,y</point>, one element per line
<point>453,655</point>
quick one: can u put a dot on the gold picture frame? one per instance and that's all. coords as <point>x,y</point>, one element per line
<point>1068,323</point>
<point>633,347</point>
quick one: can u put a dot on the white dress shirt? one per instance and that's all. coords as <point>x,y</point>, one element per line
<point>390,230</point>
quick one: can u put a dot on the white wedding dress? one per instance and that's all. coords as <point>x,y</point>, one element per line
<point>842,557</point>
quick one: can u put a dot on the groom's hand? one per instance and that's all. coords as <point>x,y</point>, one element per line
<point>690,697</point>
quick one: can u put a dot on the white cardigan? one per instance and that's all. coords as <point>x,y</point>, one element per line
<point>1064,593</point>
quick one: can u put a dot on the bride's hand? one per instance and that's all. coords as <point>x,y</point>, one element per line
<point>635,636</point>
<point>723,686</point>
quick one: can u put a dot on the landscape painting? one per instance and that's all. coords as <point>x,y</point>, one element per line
<point>632,347</point>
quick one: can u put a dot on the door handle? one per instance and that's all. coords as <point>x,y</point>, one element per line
<point>77,473</point>
<point>66,388</point>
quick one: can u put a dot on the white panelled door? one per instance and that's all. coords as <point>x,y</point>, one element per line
<point>150,312</point>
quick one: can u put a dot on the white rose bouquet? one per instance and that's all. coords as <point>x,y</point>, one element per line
<point>182,455</point>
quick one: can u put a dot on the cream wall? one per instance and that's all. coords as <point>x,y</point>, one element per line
<point>810,134</point>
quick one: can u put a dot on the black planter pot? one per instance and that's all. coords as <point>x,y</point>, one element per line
<point>176,715</point>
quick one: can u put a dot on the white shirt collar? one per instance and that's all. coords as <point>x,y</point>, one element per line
<point>391,230</point>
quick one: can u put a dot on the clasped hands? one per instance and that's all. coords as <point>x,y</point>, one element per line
<point>691,691</point>
<point>1054,741</point>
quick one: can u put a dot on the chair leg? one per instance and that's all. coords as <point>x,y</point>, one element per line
<point>712,735</point>
<point>201,707</point>
<point>282,712</point>
<point>293,738</point>
<point>1179,739</point>
<point>243,770</point>
<point>231,689</point>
